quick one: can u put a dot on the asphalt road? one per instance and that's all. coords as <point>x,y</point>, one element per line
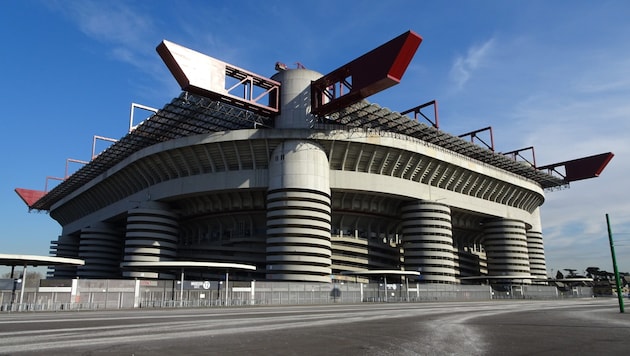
<point>581,326</point>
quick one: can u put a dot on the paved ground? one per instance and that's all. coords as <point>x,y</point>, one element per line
<point>585,326</point>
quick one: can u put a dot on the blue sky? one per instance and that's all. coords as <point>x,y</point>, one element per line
<point>550,74</point>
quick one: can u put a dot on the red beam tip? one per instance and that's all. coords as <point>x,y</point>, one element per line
<point>369,74</point>
<point>585,167</point>
<point>29,196</point>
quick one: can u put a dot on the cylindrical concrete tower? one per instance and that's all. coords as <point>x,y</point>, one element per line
<point>101,249</point>
<point>295,98</point>
<point>505,242</point>
<point>428,241</point>
<point>152,232</point>
<point>298,200</point>
<point>298,214</point>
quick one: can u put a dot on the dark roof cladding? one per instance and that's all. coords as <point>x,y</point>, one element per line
<point>189,115</point>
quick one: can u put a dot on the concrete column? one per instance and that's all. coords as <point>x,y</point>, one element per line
<point>298,214</point>
<point>152,232</point>
<point>136,294</point>
<point>505,242</point>
<point>101,248</point>
<point>428,241</point>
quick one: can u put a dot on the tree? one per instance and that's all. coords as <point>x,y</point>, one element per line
<point>559,275</point>
<point>592,272</point>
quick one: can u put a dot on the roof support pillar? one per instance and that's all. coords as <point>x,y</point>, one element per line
<point>22,289</point>
<point>181,289</point>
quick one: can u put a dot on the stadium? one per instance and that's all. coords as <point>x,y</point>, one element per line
<point>299,178</point>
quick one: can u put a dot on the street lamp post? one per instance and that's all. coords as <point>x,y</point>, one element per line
<point>614,261</point>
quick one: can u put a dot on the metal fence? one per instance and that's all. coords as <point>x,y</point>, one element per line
<point>90,294</point>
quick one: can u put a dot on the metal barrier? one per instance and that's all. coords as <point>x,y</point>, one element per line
<point>85,294</point>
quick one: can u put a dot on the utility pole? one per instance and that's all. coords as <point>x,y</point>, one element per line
<point>616,270</point>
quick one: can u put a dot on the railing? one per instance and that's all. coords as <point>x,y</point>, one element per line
<point>128,294</point>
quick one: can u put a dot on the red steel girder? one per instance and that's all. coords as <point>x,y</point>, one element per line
<point>473,134</point>
<point>29,196</point>
<point>517,153</point>
<point>582,168</point>
<point>203,75</point>
<point>418,111</point>
<point>369,74</point>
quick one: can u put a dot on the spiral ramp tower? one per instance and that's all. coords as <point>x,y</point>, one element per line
<point>101,247</point>
<point>151,236</point>
<point>298,214</point>
<point>505,242</point>
<point>428,241</point>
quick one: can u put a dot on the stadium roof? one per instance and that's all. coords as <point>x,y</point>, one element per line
<point>190,114</point>
<point>381,272</point>
<point>171,265</point>
<point>35,260</point>
<point>366,115</point>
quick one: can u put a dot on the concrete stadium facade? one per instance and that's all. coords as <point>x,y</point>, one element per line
<point>303,198</point>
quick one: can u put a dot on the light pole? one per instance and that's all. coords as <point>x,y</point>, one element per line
<point>614,261</point>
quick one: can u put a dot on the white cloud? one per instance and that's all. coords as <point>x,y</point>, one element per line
<point>112,22</point>
<point>116,24</point>
<point>607,71</point>
<point>464,66</point>
<point>128,35</point>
